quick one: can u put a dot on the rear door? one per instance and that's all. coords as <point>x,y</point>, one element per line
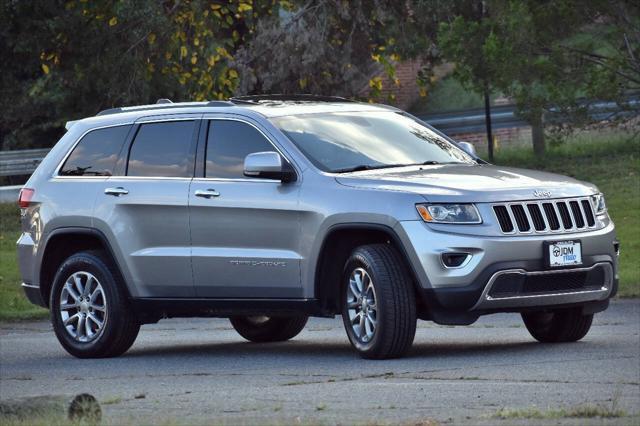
<point>246,232</point>
<point>144,210</point>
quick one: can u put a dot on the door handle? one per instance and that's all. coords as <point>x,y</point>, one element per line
<point>116,192</point>
<point>207,193</point>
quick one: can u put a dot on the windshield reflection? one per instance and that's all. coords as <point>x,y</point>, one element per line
<point>340,142</point>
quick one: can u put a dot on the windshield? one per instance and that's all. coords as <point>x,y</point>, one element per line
<point>351,141</point>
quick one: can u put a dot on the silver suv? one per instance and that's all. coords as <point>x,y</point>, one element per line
<point>271,209</point>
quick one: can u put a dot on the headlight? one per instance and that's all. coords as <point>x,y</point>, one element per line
<point>598,204</point>
<point>449,213</point>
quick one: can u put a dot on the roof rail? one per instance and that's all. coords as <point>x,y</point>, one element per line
<point>256,99</point>
<point>165,104</point>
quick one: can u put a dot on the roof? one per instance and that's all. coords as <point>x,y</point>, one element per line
<point>267,105</point>
<point>264,105</point>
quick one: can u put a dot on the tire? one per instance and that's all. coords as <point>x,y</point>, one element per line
<point>565,325</point>
<point>262,329</point>
<point>119,324</point>
<point>390,316</point>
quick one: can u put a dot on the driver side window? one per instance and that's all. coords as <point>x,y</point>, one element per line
<point>228,143</point>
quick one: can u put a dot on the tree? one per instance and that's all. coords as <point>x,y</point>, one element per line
<point>330,47</point>
<point>68,59</point>
<point>548,54</point>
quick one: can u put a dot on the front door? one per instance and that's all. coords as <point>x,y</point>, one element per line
<point>245,231</point>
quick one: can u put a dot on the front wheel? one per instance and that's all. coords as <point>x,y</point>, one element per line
<point>563,325</point>
<point>378,302</point>
<point>261,329</point>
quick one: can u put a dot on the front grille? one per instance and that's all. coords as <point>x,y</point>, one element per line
<point>517,284</point>
<point>545,216</point>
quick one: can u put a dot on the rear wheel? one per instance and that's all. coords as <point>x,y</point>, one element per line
<point>90,312</point>
<point>262,329</point>
<point>563,325</point>
<point>378,303</point>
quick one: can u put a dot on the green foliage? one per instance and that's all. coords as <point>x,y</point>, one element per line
<point>66,60</point>
<point>69,59</point>
<point>547,54</point>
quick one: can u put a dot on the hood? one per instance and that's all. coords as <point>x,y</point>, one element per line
<point>469,183</point>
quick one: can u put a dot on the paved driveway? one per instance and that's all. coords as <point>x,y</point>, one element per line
<point>197,370</point>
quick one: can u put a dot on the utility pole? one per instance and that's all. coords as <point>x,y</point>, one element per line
<point>487,95</point>
<point>487,119</point>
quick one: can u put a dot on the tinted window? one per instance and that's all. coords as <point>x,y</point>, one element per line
<point>97,153</point>
<point>162,149</point>
<point>229,142</point>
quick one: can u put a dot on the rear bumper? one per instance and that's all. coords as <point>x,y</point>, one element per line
<point>33,294</point>
<point>26,256</point>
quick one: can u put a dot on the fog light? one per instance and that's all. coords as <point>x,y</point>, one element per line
<point>455,260</point>
<point>616,247</point>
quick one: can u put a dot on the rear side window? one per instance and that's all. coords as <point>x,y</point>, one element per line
<point>97,153</point>
<point>162,150</point>
<point>228,143</point>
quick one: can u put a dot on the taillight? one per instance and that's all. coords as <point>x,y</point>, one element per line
<point>24,199</point>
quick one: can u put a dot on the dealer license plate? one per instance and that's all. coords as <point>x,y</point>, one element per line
<point>564,253</point>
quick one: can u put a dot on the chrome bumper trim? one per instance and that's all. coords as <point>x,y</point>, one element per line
<point>30,286</point>
<point>488,302</point>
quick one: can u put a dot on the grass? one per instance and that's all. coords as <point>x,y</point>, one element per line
<point>611,161</point>
<point>581,411</point>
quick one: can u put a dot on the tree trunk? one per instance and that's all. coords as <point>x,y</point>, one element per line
<point>537,135</point>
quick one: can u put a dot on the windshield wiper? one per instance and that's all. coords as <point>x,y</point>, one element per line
<point>362,167</point>
<point>435,163</point>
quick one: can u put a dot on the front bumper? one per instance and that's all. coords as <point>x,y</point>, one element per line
<point>460,295</point>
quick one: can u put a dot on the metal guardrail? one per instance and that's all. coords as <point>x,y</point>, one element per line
<point>21,162</point>
<point>24,162</point>
<point>503,117</point>
<point>472,120</point>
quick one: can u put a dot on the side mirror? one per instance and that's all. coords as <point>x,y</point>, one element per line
<point>468,148</point>
<point>268,165</point>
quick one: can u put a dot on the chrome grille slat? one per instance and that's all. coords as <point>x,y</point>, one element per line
<point>588,212</point>
<point>578,221</point>
<point>553,222</point>
<point>561,214</point>
<point>536,220</point>
<point>565,215</point>
<point>547,225</point>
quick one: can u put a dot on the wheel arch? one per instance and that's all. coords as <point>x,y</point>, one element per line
<point>64,242</point>
<point>338,243</point>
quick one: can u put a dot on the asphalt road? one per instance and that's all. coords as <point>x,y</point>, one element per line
<point>200,370</point>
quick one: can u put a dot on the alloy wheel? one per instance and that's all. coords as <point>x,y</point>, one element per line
<point>83,306</point>
<point>362,305</point>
